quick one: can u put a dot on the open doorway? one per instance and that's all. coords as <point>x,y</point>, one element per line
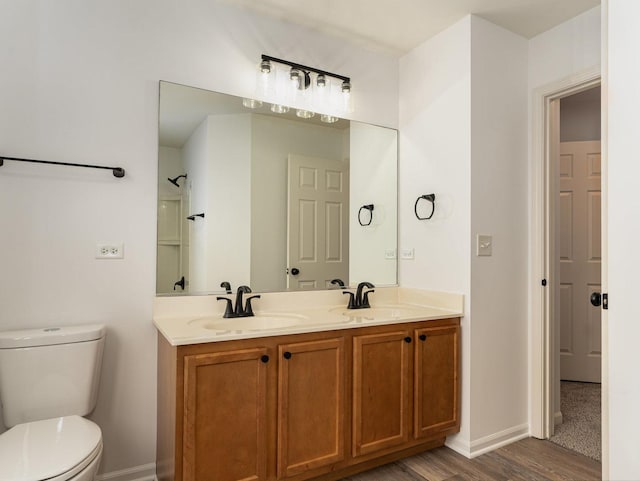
<point>576,159</point>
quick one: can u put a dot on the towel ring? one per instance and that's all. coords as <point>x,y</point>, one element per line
<point>429,197</point>
<point>368,207</point>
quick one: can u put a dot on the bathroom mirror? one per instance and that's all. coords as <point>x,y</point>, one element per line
<point>270,200</point>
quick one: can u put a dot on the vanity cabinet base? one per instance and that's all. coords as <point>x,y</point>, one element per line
<point>314,406</point>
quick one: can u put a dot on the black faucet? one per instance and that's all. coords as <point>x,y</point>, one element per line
<point>239,310</point>
<point>360,300</point>
<point>226,286</point>
<point>338,282</point>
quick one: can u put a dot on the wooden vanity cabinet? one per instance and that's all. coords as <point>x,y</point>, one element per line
<point>381,379</point>
<point>436,381</point>
<point>318,406</point>
<point>311,406</point>
<point>225,415</point>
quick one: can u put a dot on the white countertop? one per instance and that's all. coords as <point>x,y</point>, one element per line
<point>198,319</point>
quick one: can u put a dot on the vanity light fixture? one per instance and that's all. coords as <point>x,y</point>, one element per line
<point>296,87</point>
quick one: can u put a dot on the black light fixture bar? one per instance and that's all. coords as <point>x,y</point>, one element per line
<point>117,171</point>
<point>306,68</point>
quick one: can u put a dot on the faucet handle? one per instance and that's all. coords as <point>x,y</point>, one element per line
<point>248,310</point>
<point>228,311</point>
<point>352,304</point>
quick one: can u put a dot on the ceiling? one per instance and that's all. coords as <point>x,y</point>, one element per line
<point>397,26</point>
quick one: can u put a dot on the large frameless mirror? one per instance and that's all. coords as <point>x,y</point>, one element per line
<point>274,200</point>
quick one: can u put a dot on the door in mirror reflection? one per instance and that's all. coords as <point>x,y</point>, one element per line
<point>318,228</point>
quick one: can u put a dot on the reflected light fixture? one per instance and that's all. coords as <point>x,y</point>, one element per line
<point>251,103</point>
<point>328,119</point>
<point>304,114</point>
<point>308,88</point>
<point>279,109</point>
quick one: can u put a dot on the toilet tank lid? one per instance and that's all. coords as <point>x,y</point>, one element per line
<point>48,336</point>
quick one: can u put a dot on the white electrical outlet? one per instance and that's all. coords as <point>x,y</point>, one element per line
<point>110,251</point>
<point>407,254</point>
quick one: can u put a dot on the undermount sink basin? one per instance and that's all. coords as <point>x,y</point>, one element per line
<point>255,323</point>
<point>380,312</point>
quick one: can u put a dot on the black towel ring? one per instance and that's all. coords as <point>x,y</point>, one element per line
<point>431,198</point>
<point>368,207</point>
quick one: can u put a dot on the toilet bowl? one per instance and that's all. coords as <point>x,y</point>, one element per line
<point>59,449</point>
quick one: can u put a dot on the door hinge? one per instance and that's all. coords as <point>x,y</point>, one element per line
<point>605,301</point>
<point>544,282</point>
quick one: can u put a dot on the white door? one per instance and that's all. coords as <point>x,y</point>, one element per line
<point>318,222</point>
<point>579,249</point>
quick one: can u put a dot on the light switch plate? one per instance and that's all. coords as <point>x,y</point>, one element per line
<point>484,245</point>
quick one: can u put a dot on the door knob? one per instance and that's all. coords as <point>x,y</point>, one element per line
<point>596,299</point>
<point>295,271</point>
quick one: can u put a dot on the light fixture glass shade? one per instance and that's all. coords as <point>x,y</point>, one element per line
<point>304,114</point>
<point>328,119</point>
<point>279,109</point>
<point>251,103</point>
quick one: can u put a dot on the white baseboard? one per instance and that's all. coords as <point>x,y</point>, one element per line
<point>557,418</point>
<point>488,443</point>
<point>146,472</point>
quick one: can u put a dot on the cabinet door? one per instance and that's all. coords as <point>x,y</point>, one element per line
<point>311,405</point>
<point>380,391</point>
<point>224,418</point>
<point>436,385</point>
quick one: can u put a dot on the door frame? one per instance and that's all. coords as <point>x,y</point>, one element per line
<point>543,341</point>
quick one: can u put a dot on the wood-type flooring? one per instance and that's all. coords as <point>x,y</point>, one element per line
<point>526,460</point>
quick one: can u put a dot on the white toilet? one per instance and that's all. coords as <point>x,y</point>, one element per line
<point>48,381</point>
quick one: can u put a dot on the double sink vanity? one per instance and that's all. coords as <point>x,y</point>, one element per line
<point>305,388</point>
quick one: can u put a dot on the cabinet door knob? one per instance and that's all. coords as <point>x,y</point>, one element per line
<point>423,337</point>
<point>265,358</point>
<point>287,355</point>
<point>407,339</point>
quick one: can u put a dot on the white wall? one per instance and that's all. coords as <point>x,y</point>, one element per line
<point>80,84</point>
<point>195,156</point>
<point>228,211</point>
<point>499,180</point>
<point>273,139</point>
<point>435,157</point>
<point>463,121</point>
<point>565,50</point>
<point>560,53</point>
<point>373,168</point>
<point>623,97</point>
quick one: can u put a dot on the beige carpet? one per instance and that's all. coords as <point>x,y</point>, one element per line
<point>581,422</point>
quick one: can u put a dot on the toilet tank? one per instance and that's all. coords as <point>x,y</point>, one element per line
<point>50,372</point>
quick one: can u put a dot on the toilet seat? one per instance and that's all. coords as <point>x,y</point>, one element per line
<point>53,449</point>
